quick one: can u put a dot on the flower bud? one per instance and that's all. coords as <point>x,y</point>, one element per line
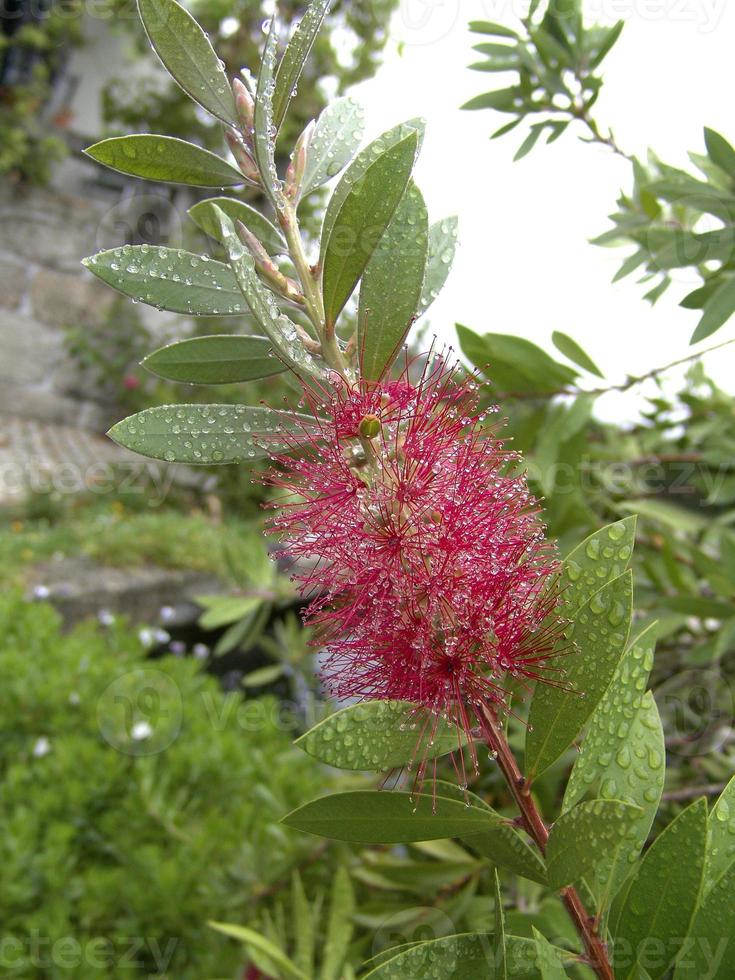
<point>297,166</point>
<point>370,426</point>
<point>244,104</point>
<point>245,162</point>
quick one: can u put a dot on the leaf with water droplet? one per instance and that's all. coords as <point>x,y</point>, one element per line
<point>295,55</point>
<point>610,725</point>
<point>584,836</point>
<point>211,434</point>
<point>264,230</point>
<point>215,360</point>
<point>372,817</point>
<point>380,735</point>
<point>661,900</point>
<point>596,561</point>
<point>362,220</point>
<point>712,955</point>
<point>187,55</point>
<point>264,133</point>
<point>721,850</point>
<point>391,286</point>
<point>170,279</point>
<point>599,633</point>
<point>442,247</point>
<point>334,142</point>
<point>164,158</point>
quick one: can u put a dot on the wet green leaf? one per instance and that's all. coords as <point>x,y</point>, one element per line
<point>264,126</point>
<point>187,55</point>
<point>379,735</point>
<point>600,634</point>
<point>391,286</point>
<point>170,279</point>
<point>216,360</point>
<point>362,220</point>
<point>294,57</point>
<point>368,817</point>
<point>164,158</point>
<point>611,723</point>
<point>442,248</point>
<point>721,849</point>
<point>599,559</point>
<point>584,836</point>
<point>264,230</point>
<point>663,895</point>
<point>207,434</point>
<point>571,349</point>
<point>334,142</point>
<point>712,954</point>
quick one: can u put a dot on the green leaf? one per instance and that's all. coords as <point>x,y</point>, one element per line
<point>720,151</point>
<point>334,142</point>
<point>207,434</point>
<point>609,40</point>
<point>170,279</point>
<point>368,817</point>
<point>611,723</point>
<point>712,955</point>
<point>515,365</point>
<point>499,958</point>
<point>717,311</point>
<point>339,926</point>
<point>282,965</point>
<point>487,27</point>
<point>678,519</point>
<point>548,959</point>
<point>265,231</point>
<point>584,836</point>
<point>187,55</point>
<point>264,126</point>
<point>599,633</point>
<point>304,926</point>
<point>529,142</point>
<point>216,360</point>
<point>391,286</point>
<point>664,892</point>
<point>357,169</point>
<point>279,329</point>
<point>635,774</point>
<point>442,247</point>
<point>362,220</point>
<point>464,957</point>
<point>571,349</point>
<point>295,55</point>
<point>599,559</point>
<point>223,610</point>
<point>721,850</point>
<point>379,735</point>
<point>502,100</point>
<point>164,158</point>
<point>260,677</point>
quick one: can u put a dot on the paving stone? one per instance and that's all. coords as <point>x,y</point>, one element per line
<point>13,281</point>
<point>28,349</point>
<point>63,300</point>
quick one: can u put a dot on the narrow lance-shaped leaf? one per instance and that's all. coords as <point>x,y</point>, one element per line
<point>549,959</point>
<point>357,169</point>
<point>170,279</point>
<point>663,896</point>
<point>391,286</point>
<point>187,55</point>
<point>339,926</point>
<point>215,360</point>
<point>264,230</point>
<point>717,311</point>
<point>571,349</point>
<point>379,735</point>
<point>362,220</point>
<point>294,57</point>
<point>164,158</point>
<point>264,125</point>
<point>613,718</point>
<point>600,634</point>
<point>304,926</point>
<point>501,965</point>
<point>721,849</point>
<point>207,434</point>
<point>442,247</point>
<point>276,959</point>
<point>584,836</point>
<point>334,142</point>
<point>275,325</point>
<point>369,817</point>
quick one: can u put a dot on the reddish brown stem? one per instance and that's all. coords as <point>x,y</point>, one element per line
<point>584,923</point>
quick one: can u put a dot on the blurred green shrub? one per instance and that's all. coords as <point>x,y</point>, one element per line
<point>138,802</point>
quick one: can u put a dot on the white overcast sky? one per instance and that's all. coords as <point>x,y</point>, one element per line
<point>525,265</point>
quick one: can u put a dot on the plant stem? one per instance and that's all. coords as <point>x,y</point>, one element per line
<point>538,831</point>
<point>313,299</point>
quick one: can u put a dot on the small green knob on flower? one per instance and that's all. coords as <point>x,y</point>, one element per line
<point>370,426</point>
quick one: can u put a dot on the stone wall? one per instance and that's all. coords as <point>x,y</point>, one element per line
<point>43,289</point>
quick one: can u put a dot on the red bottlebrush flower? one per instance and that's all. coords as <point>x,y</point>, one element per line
<point>424,555</point>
